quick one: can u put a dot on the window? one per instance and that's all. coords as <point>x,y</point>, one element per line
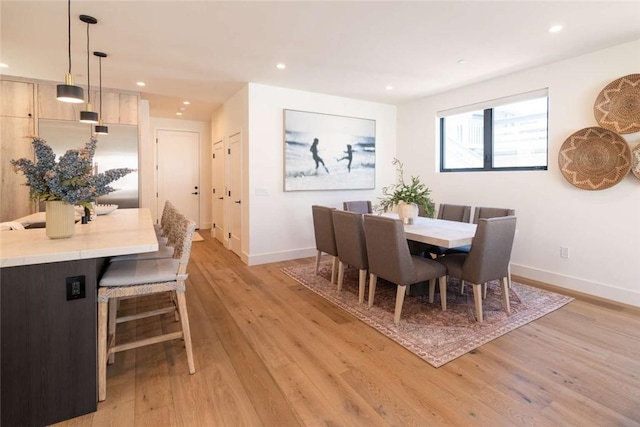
<point>509,134</point>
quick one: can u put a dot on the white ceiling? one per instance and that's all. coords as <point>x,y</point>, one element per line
<point>204,51</point>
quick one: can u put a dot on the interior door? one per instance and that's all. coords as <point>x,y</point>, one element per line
<point>235,192</point>
<point>218,191</point>
<point>178,172</point>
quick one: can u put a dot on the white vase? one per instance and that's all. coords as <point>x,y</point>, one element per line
<point>407,212</point>
<point>60,220</point>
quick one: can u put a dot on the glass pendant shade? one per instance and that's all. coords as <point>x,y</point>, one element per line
<point>68,92</point>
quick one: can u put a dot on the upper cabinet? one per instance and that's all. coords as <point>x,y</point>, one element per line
<point>117,108</point>
<point>17,99</point>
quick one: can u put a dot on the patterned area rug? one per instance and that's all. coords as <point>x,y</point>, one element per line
<point>436,336</point>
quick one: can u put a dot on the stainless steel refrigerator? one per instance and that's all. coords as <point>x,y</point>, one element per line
<point>118,149</point>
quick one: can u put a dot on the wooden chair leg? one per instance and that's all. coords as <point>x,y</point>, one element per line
<point>362,282</point>
<point>399,302</point>
<point>432,290</point>
<point>505,294</point>
<point>484,290</point>
<point>318,261</point>
<point>340,275</point>
<point>509,274</point>
<point>461,287</point>
<point>186,330</point>
<point>102,350</point>
<point>111,325</point>
<point>334,269</point>
<point>443,292</point>
<point>372,288</point>
<point>477,299</point>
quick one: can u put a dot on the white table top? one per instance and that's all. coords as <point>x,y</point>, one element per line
<point>439,232</point>
<point>39,218</point>
<point>124,231</point>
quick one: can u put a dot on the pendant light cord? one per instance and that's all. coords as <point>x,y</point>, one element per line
<point>100,66</point>
<point>69,33</point>
<point>88,73</point>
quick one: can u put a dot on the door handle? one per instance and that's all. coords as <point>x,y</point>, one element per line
<point>220,198</point>
<point>238,201</point>
<point>195,193</point>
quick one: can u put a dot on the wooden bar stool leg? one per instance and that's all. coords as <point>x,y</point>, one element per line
<point>186,330</point>
<point>111,332</point>
<point>102,350</point>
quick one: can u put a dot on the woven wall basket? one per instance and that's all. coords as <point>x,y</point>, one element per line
<point>594,158</point>
<point>635,161</point>
<point>617,107</point>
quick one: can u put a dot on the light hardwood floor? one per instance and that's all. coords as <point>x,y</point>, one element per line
<point>268,352</point>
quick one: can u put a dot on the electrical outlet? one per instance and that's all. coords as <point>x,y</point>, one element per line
<point>76,287</point>
<point>564,252</point>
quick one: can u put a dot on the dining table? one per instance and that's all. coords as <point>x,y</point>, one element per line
<point>438,232</point>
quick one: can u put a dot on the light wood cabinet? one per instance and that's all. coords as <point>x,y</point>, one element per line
<point>17,99</point>
<point>117,108</point>
<point>14,195</point>
<point>128,109</point>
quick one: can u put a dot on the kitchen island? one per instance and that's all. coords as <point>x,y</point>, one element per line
<point>48,314</point>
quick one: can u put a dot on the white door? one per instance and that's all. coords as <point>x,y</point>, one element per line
<point>218,191</point>
<point>235,192</point>
<point>178,172</point>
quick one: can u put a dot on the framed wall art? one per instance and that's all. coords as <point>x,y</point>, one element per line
<point>327,152</point>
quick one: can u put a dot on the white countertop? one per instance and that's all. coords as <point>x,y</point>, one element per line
<point>124,231</point>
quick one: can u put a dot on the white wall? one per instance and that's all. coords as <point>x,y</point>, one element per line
<point>280,223</point>
<point>600,228</point>
<point>204,128</point>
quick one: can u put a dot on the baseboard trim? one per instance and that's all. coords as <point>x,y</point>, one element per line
<point>281,256</point>
<point>581,287</point>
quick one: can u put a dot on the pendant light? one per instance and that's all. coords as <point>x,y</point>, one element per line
<point>88,116</point>
<point>68,92</point>
<point>100,128</point>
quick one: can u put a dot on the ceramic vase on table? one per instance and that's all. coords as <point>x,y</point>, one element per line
<point>407,212</point>
<point>60,219</point>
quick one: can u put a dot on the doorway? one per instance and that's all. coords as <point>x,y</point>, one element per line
<point>235,192</point>
<point>218,191</point>
<point>178,172</point>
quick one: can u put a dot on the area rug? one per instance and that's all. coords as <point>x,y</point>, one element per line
<point>436,336</point>
<point>197,237</point>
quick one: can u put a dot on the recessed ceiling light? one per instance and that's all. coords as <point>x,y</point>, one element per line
<point>555,28</point>
<point>186,102</point>
<point>141,83</point>
<point>462,61</point>
<point>178,113</point>
<point>388,87</point>
<point>3,65</point>
<point>281,66</point>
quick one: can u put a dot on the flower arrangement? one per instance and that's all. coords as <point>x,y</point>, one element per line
<point>414,192</point>
<point>70,179</point>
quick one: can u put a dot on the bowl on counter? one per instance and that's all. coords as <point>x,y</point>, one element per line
<point>104,209</point>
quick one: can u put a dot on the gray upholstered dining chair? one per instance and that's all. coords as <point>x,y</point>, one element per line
<point>352,247</point>
<point>484,212</point>
<point>359,206</point>
<point>325,237</point>
<point>487,260</point>
<point>390,259</point>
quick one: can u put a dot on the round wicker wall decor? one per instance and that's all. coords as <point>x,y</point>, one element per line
<point>617,107</point>
<point>594,158</point>
<point>635,161</point>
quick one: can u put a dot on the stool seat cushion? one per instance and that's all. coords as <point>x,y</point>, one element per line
<point>127,273</point>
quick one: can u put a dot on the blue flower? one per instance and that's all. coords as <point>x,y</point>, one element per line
<point>70,179</point>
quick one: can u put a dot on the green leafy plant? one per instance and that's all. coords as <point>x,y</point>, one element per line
<point>413,192</point>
